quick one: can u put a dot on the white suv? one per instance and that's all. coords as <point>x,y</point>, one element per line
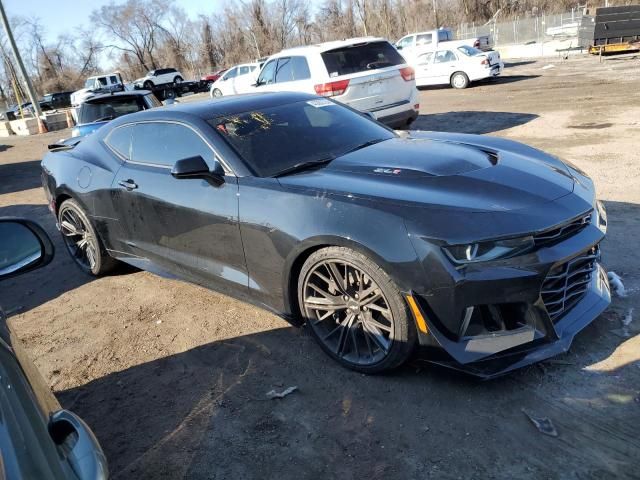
<point>161,76</point>
<point>367,74</point>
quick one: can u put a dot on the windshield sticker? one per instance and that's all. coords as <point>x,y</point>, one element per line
<point>320,102</point>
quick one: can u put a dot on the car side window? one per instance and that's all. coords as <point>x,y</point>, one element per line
<point>164,143</point>
<point>120,140</point>
<point>103,81</point>
<point>444,56</point>
<point>267,74</point>
<point>113,79</point>
<point>243,70</point>
<point>406,42</point>
<point>230,74</point>
<point>425,59</point>
<point>291,69</point>
<point>424,39</point>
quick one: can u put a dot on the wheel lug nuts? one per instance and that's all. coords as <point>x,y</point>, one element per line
<point>356,295</point>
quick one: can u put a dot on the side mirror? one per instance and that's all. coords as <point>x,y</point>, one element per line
<point>196,167</point>
<point>24,246</point>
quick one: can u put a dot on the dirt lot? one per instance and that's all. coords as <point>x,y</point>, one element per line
<point>172,377</point>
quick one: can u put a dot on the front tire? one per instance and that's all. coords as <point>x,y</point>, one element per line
<point>355,311</point>
<point>82,242</point>
<point>459,80</point>
<point>216,93</point>
<point>148,85</point>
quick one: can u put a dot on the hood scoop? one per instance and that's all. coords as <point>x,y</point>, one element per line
<point>415,157</point>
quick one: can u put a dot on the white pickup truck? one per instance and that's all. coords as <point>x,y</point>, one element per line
<point>413,45</point>
<point>105,83</point>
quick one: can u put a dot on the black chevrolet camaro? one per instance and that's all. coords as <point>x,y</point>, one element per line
<point>483,250</point>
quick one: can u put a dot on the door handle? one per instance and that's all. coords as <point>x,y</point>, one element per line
<point>128,184</point>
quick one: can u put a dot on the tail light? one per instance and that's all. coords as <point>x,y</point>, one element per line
<point>484,62</point>
<point>331,89</point>
<point>416,107</point>
<point>408,74</point>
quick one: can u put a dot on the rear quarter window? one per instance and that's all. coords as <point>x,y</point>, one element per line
<point>119,140</point>
<point>360,58</point>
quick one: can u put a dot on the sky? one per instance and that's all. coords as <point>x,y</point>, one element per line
<point>64,16</point>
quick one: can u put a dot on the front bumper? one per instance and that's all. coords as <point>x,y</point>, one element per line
<point>513,292</point>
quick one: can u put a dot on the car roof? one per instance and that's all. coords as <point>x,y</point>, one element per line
<point>127,93</point>
<point>212,108</point>
<point>323,47</point>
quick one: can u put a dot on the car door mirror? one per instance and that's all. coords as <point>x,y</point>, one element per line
<point>24,246</point>
<point>196,167</point>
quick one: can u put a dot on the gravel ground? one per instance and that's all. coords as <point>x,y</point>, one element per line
<point>173,377</point>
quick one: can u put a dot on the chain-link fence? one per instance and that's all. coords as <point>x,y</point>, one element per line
<point>535,28</point>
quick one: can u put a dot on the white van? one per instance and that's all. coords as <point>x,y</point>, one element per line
<point>367,74</point>
<point>237,79</point>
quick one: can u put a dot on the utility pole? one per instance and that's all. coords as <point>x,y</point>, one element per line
<point>16,54</point>
<point>435,12</point>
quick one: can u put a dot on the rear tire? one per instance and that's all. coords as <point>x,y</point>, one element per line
<point>177,80</point>
<point>148,85</point>
<point>459,80</point>
<point>216,93</point>
<point>355,311</point>
<point>81,240</point>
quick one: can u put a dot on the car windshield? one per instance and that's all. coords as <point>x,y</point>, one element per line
<point>360,57</point>
<point>469,51</point>
<point>279,138</point>
<point>108,109</point>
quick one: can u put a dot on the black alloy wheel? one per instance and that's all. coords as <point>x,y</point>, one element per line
<point>354,310</point>
<point>81,240</point>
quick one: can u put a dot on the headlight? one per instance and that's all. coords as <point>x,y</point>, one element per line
<point>485,251</point>
<point>600,216</point>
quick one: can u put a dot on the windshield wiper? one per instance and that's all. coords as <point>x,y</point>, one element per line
<point>109,117</point>
<point>299,167</point>
<point>365,145</point>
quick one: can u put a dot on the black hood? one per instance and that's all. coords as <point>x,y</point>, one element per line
<point>467,173</point>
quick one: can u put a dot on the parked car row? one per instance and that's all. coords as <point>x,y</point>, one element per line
<point>367,74</point>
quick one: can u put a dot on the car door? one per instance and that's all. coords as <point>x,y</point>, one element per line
<point>187,227</point>
<point>266,79</point>
<point>242,80</point>
<point>424,70</point>
<point>226,82</point>
<point>406,46</point>
<point>445,63</point>
<point>292,74</point>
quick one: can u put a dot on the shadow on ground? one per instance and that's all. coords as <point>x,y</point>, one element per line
<point>203,413</point>
<point>477,122</point>
<point>15,177</point>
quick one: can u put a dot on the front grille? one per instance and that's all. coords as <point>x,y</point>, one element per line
<point>557,234</point>
<point>566,284</point>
